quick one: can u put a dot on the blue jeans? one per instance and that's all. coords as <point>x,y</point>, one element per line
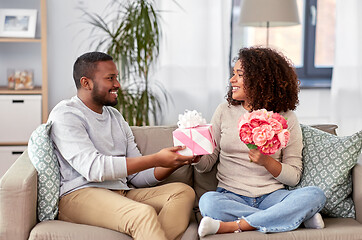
<point>279,211</point>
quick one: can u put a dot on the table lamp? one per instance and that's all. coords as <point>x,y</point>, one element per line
<point>268,13</point>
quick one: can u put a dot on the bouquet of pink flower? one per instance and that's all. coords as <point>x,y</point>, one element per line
<point>264,130</point>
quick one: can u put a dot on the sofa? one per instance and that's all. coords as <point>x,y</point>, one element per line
<point>18,202</point>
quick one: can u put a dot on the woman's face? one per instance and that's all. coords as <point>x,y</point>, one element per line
<point>237,83</point>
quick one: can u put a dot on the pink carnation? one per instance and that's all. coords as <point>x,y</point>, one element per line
<point>283,137</point>
<point>265,130</point>
<point>262,134</point>
<point>261,114</point>
<point>254,123</point>
<point>276,125</point>
<point>271,146</point>
<point>245,133</point>
<point>243,120</point>
<point>280,119</point>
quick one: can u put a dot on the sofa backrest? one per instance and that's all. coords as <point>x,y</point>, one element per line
<point>329,128</point>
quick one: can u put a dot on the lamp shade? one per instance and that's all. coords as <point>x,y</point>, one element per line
<point>275,13</point>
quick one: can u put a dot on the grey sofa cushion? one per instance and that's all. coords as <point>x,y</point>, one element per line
<point>327,163</point>
<point>151,139</point>
<point>41,154</point>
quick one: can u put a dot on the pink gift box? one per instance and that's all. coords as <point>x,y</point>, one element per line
<point>198,140</point>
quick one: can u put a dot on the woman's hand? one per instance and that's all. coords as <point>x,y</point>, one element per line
<point>196,159</point>
<point>257,157</point>
<point>272,165</point>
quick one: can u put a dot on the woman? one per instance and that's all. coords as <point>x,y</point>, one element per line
<point>251,193</point>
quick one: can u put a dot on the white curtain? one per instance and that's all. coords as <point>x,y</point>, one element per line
<point>194,54</point>
<point>346,89</point>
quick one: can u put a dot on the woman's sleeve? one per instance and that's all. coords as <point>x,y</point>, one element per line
<point>291,155</point>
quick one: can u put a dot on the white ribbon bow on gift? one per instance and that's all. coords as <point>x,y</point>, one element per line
<point>190,119</point>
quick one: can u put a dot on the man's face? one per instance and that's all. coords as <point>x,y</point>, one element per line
<point>105,84</point>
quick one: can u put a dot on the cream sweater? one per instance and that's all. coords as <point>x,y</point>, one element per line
<point>235,171</point>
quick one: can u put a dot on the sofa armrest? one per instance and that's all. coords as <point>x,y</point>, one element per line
<point>357,189</point>
<point>18,199</point>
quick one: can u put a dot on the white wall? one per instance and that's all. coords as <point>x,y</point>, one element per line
<point>191,68</point>
<point>194,55</point>
<point>190,87</point>
<point>67,39</point>
<point>314,106</point>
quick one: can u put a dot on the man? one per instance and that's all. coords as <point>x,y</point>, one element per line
<point>98,158</point>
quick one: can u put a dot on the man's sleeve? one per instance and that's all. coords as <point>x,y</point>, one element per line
<point>144,178</point>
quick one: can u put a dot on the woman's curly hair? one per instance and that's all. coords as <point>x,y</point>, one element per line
<point>270,80</point>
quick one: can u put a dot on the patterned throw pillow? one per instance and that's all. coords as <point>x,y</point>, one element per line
<point>327,163</point>
<point>41,154</point>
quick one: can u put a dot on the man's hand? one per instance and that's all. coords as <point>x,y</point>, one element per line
<point>169,158</point>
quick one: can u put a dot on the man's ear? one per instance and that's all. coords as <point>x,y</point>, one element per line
<point>86,83</point>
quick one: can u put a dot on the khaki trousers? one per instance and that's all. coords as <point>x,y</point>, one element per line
<point>159,213</point>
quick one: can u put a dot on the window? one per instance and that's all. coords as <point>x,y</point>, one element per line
<point>310,45</point>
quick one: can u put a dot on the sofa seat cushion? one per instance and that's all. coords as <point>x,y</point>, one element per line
<point>60,230</point>
<point>336,228</point>
<point>56,230</point>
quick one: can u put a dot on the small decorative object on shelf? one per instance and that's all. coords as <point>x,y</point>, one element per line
<point>20,79</point>
<point>11,78</point>
<point>20,23</point>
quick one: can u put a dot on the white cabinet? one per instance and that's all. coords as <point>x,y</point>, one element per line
<point>22,111</point>
<point>8,155</point>
<point>21,114</point>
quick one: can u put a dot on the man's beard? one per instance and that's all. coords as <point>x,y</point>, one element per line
<point>101,99</point>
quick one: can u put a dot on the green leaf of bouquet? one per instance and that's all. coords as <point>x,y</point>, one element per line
<point>251,146</point>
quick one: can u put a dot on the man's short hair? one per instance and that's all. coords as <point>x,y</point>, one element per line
<point>86,64</point>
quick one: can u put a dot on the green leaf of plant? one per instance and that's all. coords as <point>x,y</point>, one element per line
<point>132,37</point>
<point>251,146</point>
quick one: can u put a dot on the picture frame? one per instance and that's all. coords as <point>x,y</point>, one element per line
<point>20,23</point>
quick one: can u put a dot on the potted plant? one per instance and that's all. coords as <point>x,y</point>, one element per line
<point>132,37</point>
